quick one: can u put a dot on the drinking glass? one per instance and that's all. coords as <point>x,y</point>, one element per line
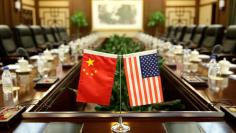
<point>194,68</point>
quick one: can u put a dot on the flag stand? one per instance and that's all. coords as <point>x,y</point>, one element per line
<point>119,127</point>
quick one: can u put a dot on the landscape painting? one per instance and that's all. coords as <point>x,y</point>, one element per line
<point>117,14</point>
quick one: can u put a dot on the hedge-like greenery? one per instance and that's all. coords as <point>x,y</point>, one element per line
<point>124,45</point>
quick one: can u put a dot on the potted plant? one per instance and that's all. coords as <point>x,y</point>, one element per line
<point>79,19</point>
<point>155,20</point>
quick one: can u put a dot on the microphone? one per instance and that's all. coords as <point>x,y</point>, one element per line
<point>217,49</point>
<point>22,52</point>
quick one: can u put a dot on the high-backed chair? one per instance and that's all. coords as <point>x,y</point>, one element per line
<point>25,39</point>
<point>172,34</point>
<point>188,36</point>
<point>180,31</point>
<point>7,44</point>
<point>229,41</point>
<point>213,36</point>
<point>56,34</point>
<point>197,37</point>
<point>9,51</point>
<point>63,34</point>
<point>48,34</point>
<point>228,47</point>
<point>38,36</point>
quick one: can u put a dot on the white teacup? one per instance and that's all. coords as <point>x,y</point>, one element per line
<point>23,64</point>
<point>224,66</point>
<point>194,55</point>
<point>178,49</point>
<point>47,53</point>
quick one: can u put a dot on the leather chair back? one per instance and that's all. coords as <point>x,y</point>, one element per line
<point>48,34</point>
<point>38,36</point>
<point>213,36</point>
<point>229,41</point>
<point>56,34</point>
<point>25,39</point>
<point>169,28</point>
<point>7,44</point>
<point>199,35</point>
<point>180,33</point>
<point>172,33</point>
<point>189,33</point>
<point>63,34</point>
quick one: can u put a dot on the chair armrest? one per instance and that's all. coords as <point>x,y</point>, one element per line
<point>229,56</point>
<point>8,59</point>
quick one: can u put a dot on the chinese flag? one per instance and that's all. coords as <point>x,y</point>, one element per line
<point>96,77</point>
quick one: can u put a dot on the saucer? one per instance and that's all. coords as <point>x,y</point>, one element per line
<point>23,71</point>
<point>196,61</point>
<point>227,74</point>
<point>178,53</point>
<point>232,66</point>
<point>203,56</point>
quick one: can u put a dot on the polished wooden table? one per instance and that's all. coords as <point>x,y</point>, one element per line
<point>47,108</point>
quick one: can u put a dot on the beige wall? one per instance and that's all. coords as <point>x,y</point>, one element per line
<point>30,5</point>
<point>205,11</point>
<point>180,12</point>
<point>54,13</point>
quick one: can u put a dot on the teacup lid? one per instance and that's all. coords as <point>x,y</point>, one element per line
<point>22,60</point>
<point>195,52</point>
<point>224,62</point>
<point>179,47</point>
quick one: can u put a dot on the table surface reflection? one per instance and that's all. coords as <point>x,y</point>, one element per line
<point>223,94</point>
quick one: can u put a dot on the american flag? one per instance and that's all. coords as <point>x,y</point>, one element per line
<point>143,78</point>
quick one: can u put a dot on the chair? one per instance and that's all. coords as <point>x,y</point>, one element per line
<point>9,49</point>
<point>229,41</point>
<point>48,34</point>
<point>172,34</point>
<point>180,31</point>
<point>7,44</point>
<point>39,38</point>
<point>228,48</point>
<point>197,37</point>
<point>25,39</point>
<point>56,34</point>
<point>213,36</point>
<point>63,34</point>
<point>188,36</point>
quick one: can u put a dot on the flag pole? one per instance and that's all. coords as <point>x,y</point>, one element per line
<point>119,127</point>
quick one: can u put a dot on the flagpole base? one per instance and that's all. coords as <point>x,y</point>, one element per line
<point>119,127</point>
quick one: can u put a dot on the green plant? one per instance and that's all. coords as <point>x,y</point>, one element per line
<point>79,19</point>
<point>156,18</point>
<point>124,45</point>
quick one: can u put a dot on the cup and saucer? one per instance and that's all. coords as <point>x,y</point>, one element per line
<point>178,50</point>
<point>224,67</point>
<point>194,57</point>
<point>23,67</point>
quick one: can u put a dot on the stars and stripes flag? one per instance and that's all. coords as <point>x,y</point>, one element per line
<point>143,78</point>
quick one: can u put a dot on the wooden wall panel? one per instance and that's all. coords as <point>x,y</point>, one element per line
<point>180,12</point>
<point>53,13</point>
<point>222,16</point>
<point>151,6</point>
<point>85,5</point>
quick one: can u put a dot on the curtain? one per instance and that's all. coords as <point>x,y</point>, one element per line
<point>232,14</point>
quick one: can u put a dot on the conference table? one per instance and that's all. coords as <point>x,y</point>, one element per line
<point>55,108</point>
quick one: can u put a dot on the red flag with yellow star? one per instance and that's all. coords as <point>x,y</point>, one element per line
<point>96,77</point>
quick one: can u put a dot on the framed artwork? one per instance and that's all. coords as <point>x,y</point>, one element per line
<point>117,15</point>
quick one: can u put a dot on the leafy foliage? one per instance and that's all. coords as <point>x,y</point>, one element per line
<point>124,45</point>
<point>79,19</point>
<point>156,18</point>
